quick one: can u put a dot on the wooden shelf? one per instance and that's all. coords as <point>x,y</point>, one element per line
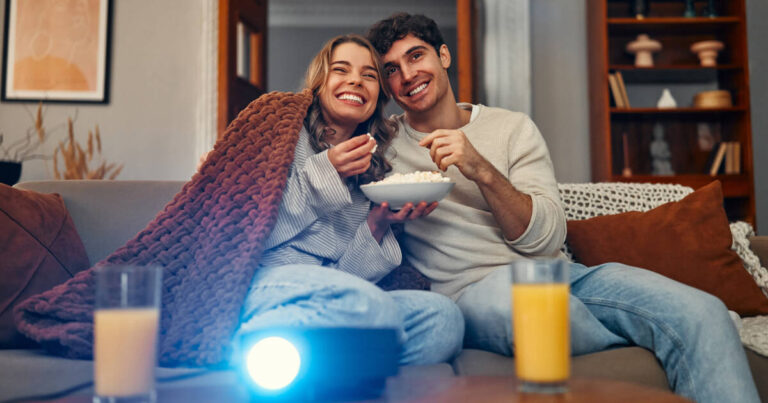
<point>671,24</point>
<point>652,22</point>
<point>610,27</point>
<point>672,111</point>
<point>693,67</point>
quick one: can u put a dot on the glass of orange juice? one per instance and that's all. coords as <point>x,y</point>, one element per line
<point>540,290</point>
<point>125,328</point>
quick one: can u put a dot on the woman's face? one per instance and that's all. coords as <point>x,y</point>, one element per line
<point>351,88</point>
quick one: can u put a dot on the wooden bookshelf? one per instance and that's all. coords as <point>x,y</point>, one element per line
<point>611,25</point>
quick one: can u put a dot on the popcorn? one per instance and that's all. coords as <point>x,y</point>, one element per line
<point>373,150</point>
<point>413,177</point>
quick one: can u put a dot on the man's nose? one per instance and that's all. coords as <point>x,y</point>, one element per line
<point>408,73</point>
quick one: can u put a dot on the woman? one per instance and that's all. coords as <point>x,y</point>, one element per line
<point>329,245</point>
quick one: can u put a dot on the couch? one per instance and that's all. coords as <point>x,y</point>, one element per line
<point>108,213</point>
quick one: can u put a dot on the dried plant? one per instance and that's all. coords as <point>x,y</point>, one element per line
<point>79,162</point>
<point>24,148</point>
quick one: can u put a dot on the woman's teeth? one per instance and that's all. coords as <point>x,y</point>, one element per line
<point>350,97</point>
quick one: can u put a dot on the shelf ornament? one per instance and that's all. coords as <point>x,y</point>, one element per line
<point>642,48</point>
<point>639,8</point>
<point>707,51</point>
<point>660,154</point>
<point>666,100</point>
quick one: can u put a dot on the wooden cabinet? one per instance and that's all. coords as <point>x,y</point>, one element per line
<point>623,137</point>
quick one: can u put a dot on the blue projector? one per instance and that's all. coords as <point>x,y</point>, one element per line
<point>305,364</point>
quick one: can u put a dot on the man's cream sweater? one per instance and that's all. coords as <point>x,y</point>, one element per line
<point>460,242</point>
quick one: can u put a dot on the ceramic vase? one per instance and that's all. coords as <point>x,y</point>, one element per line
<point>10,172</point>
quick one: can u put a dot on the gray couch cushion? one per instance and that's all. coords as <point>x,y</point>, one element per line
<point>612,364</point>
<point>28,373</point>
<point>109,213</point>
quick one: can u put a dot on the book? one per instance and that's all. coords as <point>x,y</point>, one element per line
<point>718,160</point>
<point>736,157</point>
<point>617,99</point>
<point>622,89</point>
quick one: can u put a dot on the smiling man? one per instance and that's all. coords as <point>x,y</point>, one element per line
<point>505,206</point>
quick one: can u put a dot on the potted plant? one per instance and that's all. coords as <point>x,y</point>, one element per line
<point>24,149</point>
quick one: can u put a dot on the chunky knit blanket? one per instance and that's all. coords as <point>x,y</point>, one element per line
<point>208,239</point>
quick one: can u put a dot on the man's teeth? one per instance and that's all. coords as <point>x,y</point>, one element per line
<point>417,90</point>
<point>350,97</point>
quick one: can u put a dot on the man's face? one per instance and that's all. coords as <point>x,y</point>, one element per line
<point>415,74</point>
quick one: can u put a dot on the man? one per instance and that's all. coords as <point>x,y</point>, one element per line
<point>505,206</point>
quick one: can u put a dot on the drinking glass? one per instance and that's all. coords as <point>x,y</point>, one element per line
<point>125,328</point>
<point>540,291</point>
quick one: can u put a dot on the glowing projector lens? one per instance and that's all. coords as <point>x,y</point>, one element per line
<point>273,363</point>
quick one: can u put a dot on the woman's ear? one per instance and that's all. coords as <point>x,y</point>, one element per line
<point>445,56</point>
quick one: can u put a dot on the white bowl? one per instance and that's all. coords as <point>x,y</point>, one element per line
<point>397,195</point>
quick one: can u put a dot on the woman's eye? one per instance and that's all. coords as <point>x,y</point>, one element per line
<point>339,69</point>
<point>371,76</point>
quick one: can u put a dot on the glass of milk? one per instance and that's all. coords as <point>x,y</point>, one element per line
<point>125,329</point>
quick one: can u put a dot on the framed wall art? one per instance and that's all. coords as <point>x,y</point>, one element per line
<point>56,51</point>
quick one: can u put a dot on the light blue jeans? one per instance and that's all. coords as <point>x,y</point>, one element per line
<point>430,325</point>
<point>612,305</point>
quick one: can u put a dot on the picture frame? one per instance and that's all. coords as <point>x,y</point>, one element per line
<point>56,51</point>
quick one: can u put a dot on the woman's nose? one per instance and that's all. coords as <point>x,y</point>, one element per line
<point>355,79</point>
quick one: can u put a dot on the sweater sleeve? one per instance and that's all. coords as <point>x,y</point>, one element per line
<point>531,172</point>
<point>367,258</point>
<point>313,189</point>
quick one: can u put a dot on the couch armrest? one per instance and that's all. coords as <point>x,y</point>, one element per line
<point>759,245</point>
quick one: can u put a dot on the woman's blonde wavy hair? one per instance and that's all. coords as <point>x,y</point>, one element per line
<point>380,128</point>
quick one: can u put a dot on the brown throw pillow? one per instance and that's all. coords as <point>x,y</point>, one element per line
<point>39,248</point>
<point>688,240</point>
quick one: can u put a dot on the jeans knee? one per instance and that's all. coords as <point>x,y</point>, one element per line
<point>447,325</point>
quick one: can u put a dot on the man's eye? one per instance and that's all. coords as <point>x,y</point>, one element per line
<point>390,70</point>
<point>415,56</point>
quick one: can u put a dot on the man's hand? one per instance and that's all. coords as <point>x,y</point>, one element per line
<point>451,147</point>
<point>381,217</point>
<point>353,156</point>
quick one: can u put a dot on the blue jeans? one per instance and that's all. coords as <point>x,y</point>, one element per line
<point>612,305</point>
<point>430,325</point>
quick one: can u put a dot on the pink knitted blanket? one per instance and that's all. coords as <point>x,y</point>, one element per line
<point>208,239</point>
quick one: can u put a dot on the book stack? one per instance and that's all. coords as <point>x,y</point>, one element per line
<point>618,90</point>
<point>727,159</point>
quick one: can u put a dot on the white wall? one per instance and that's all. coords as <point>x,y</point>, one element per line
<point>559,88</point>
<point>149,123</point>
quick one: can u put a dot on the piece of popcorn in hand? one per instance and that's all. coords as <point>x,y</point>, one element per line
<point>373,150</point>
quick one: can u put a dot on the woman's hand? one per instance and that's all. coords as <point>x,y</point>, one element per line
<point>353,156</point>
<point>381,217</point>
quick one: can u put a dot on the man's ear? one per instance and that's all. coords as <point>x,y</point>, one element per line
<point>445,56</point>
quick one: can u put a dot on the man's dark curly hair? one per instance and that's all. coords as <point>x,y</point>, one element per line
<point>389,30</point>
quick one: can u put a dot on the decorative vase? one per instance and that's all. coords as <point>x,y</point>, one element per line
<point>639,8</point>
<point>707,51</point>
<point>10,172</point>
<point>690,9</point>
<point>711,11</point>
<point>642,47</point>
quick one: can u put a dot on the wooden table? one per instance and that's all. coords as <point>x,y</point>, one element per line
<point>447,390</point>
<point>504,389</point>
